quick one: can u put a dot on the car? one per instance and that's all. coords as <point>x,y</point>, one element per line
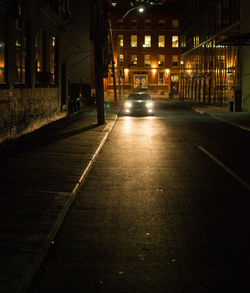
<point>138,103</point>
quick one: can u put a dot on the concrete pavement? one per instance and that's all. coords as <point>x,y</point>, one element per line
<point>40,176</point>
<point>237,119</point>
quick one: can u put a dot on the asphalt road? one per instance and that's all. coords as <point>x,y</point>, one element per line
<point>165,208</point>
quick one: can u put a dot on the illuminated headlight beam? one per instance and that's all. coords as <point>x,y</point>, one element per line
<point>149,104</point>
<point>128,104</point>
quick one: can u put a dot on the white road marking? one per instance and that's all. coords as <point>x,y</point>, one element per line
<point>227,169</point>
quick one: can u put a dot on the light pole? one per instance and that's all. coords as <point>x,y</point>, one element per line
<point>141,9</point>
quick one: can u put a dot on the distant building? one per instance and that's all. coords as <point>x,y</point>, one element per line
<point>33,70</point>
<point>214,59</point>
<point>149,48</point>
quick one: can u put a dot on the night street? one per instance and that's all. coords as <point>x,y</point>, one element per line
<point>165,208</point>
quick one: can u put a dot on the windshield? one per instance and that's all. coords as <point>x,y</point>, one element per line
<point>133,97</point>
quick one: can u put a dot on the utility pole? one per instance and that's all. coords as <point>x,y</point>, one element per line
<point>119,68</point>
<point>112,60</point>
<point>98,36</point>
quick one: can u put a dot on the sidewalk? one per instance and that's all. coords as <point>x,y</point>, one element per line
<point>237,119</point>
<point>40,176</point>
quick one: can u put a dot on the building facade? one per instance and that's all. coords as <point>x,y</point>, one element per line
<point>33,78</point>
<point>211,64</point>
<point>148,47</point>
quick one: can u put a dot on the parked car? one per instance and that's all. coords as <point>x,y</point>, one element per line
<point>138,103</point>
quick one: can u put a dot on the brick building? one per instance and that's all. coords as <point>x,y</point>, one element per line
<point>33,87</point>
<point>149,48</point>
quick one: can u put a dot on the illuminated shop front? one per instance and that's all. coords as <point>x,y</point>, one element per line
<point>209,73</point>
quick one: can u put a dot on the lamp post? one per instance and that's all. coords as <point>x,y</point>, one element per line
<point>98,35</point>
<point>141,9</point>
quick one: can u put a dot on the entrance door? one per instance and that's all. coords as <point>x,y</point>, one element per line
<point>175,88</point>
<point>141,81</point>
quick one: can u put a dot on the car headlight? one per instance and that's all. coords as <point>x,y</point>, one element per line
<point>128,104</point>
<point>149,104</point>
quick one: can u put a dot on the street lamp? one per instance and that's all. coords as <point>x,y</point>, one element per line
<point>141,9</point>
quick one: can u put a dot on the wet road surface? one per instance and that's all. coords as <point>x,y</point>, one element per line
<point>158,212</point>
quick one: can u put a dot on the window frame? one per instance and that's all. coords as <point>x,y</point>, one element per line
<point>131,41</point>
<point>150,39</point>
<point>159,42</point>
<point>175,44</point>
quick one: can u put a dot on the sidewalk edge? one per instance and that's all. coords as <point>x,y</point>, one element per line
<point>221,119</point>
<point>28,277</point>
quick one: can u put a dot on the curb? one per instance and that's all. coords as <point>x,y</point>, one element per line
<point>49,240</point>
<point>221,119</point>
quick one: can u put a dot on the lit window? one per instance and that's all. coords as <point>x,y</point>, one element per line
<point>133,60</point>
<point>161,41</point>
<point>20,58</point>
<point>175,60</point>
<point>121,40</point>
<point>52,60</point>
<point>174,78</point>
<point>147,60</point>
<point>161,77</point>
<point>39,47</point>
<point>134,41</point>
<point>161,60</point>
<point>183,41</point>
<point>121,59</point>
<point>175,23</point>
<point>196,41</point>
<point>2,62</point>
<point>147,41</point>
<point>175,41</point>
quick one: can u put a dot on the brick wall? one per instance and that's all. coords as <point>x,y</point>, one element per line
<point>24,110</point>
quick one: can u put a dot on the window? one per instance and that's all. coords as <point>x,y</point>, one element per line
<point>175,60</point>
<point>147,60</point>
<point>121,59</point>
<point>161,60</point>
<point>196,41</point>
<point>134,60</point>
<point>161,41</point>
<point>2,61</point>
<point>161,24</point>
<point>174,78</point>
<point>175,41</point>
<point>120,24</point>
<point>134,41</point>
<point>183,41</point>
<point>39,51</point>
<point>133,24</point>
<point>2,49</point>
<point>52,60</point>
<point>161,77</point>
<point>147,41</point>
<point>121,40</point>
<point>148,24</point>
<point>20,57</point>
<point>175,23</point>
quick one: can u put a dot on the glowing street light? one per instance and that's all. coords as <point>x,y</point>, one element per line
<point>140,9</point>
